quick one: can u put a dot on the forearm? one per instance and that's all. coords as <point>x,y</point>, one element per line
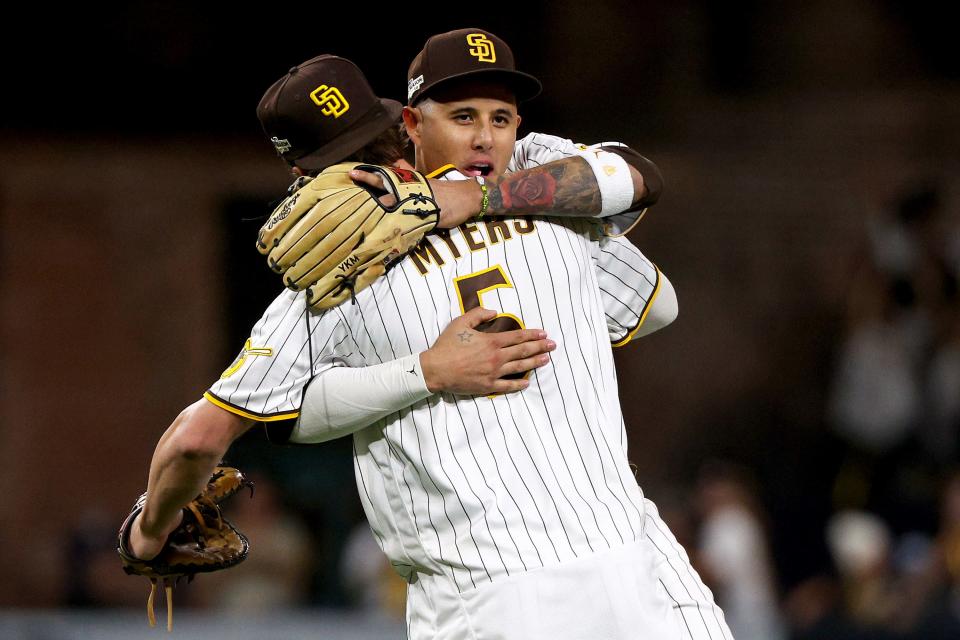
<point>565,187</point>
<point>622,180</point>
<point>463,361</point>
<point>183,460</point>
<point>343,400</point>
<point>586,185</point>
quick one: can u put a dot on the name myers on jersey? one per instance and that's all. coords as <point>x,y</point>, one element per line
<point>439,246</point>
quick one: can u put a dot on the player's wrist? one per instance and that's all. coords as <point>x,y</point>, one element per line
<point>154,529</point>
<point>614,181</point>
<point>142,543</point>
<point>456,200</point>
<point>431,372</point>
<point>484,203</point>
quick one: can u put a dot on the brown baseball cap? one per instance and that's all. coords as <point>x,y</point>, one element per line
<point>462,53</point>
<point>322,111</point>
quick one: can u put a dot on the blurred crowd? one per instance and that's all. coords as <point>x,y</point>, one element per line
<point>894,406</point>
<point>891,535</point>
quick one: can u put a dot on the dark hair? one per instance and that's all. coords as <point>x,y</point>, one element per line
<point>385,149</point>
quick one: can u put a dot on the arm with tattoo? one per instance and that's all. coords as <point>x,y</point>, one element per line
<point>562,188</point>
<point>566,187</point>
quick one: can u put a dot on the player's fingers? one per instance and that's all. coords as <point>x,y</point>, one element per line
<point>527,349</point>
<point>474,317</point>
<point>520,336</point>
<point>376,182</point>
<point>509,386</point>
<point>525,364</point>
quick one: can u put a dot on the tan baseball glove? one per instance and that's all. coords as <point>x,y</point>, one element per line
<point>333,237</point>
<point>205,541</point>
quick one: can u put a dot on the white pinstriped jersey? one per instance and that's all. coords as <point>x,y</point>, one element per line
<point>478,488</point>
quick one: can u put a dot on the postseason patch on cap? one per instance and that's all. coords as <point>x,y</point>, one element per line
<point>282,146</point>
<point>413,85</point>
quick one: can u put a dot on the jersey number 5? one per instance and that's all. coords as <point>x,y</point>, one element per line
<point>470,289</point>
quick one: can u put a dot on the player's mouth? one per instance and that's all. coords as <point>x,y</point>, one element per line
<point>477,169</point>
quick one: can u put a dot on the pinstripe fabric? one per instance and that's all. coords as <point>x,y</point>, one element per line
<point>269,385</point>
<point>692,601</point>
<point>626,279</point>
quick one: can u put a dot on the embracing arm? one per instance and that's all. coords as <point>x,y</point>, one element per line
<point>463,361</point>
<point>603,181</point>
<point>607,180</point>
<point>567,187</point>
<point>182,463</point>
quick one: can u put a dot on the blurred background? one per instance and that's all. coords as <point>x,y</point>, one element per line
<point>797,425</point>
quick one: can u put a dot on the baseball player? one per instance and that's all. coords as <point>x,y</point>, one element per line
<point>511,515</point>
<point>201,434</point>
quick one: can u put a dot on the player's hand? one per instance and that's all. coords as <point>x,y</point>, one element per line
<point>469,362</point>
<point>459,200</point>
<point>146,547</point>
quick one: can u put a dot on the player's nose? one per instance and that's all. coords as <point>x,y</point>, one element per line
<point>482,136</point>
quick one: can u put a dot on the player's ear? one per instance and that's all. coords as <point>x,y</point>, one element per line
<point>517,121</point>
<point>413,121</point>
